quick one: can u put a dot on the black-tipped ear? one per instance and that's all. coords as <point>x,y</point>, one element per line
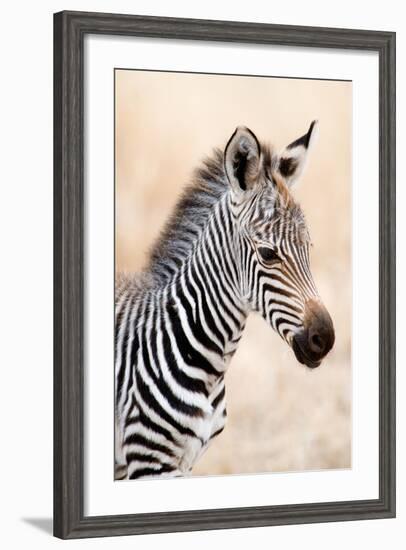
<point>241,159</point>
<point>293,159</point>
<point>305,140</point>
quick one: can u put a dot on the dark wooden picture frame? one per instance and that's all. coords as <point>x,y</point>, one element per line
<point>70,29</point>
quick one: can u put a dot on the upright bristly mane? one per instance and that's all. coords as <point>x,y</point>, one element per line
<point>188,219</point>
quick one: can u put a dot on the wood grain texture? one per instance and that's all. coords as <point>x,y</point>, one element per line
<point>69,31</point>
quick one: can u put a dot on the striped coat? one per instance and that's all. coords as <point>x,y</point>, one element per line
<point>237,242</point>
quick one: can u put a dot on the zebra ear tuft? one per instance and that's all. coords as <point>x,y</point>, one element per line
<point>292,160</point>
<point>242,159</point>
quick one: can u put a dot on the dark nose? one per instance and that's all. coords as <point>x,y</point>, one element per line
<point>320,330</point>
<point>317,337</point>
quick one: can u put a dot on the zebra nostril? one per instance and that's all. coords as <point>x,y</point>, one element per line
<point>316,343</point>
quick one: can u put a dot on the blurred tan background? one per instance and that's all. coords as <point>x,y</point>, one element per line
<point>281,415</point>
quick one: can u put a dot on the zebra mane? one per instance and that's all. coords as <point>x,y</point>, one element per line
<point>188,218</point>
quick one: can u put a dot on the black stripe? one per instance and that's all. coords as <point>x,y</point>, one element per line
<point>194,385</point>
<point>121,372</point>
<point>217,432</point>
<point>195,325</point>
<point>224,243</point>
<point>138,457</point>
<point>138,439</point>
<point>190,355</point>
<point>150,400</point>
<point>164,388</point>
<point>219,398</point>
<point>285,332</point>
<point>119,318</point>
<point>297,322</point>
<point>267,287</point>
<point>295,309</point>
<point>217,283</point>
<point>146,472</point>
<point>221,243</point>
<point>219,301</point>
<point>287,321</point>
<point>204,291</point>
<point>154,427</point>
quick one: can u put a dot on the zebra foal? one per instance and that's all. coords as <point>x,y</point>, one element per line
<point>236,242</point>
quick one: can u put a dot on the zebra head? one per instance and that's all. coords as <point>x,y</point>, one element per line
<point>273,242</point>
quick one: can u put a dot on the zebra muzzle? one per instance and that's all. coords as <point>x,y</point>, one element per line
<point>317,337</point>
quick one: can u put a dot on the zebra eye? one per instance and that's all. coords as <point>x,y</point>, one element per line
<point>268,255</point>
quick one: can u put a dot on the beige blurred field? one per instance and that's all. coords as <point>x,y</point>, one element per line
<point>281,415</point>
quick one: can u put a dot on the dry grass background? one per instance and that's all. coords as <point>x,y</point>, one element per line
<point>281,416</point>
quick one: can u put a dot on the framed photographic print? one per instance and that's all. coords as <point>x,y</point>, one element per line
<point>224,274</point>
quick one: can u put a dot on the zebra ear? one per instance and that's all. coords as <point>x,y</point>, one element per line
<point>241,159</point>
<point>293,159</point>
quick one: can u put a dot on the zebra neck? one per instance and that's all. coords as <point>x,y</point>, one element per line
<point>204,303</point>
